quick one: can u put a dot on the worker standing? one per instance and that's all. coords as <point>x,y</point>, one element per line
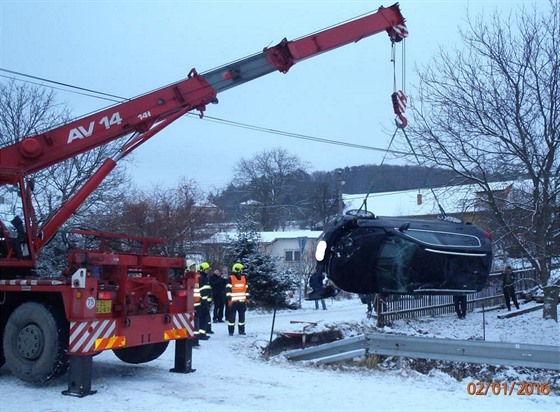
<point>237,295</point>
<point>225,276</point>
<point>218,284</point>
<point>205,294</point>
<point>508,287</point>
<point>190,271</point>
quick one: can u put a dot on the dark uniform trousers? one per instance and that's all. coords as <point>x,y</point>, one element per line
<point>236,308</point>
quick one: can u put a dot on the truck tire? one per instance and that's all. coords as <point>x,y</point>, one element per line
<point>35,343</point>
<point>141,354</point>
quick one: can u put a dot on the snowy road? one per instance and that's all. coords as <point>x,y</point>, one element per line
<point>232,376</point>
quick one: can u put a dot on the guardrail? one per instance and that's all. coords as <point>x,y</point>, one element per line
<point>493,353</point>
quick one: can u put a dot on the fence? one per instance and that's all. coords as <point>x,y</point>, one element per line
<point>393,307</point>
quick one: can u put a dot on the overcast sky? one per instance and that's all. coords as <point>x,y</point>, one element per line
<point>127,48</point>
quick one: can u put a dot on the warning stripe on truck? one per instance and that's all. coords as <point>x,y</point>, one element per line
<point>84,335</point>
<point>110,343</point>
<point>183,327</point>
<point>172,334</point>
<point>97,335</point>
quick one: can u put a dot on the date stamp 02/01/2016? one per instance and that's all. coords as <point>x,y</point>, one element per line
<point>518,388</point>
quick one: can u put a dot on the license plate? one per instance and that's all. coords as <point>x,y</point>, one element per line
<point>103,306</point>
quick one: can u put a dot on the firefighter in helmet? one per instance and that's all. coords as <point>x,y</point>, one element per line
<point>202,307</point>
<point>190,271</point>
<point>237,296</point>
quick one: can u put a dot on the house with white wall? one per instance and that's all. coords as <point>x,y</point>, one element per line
<point>286,245</point>
<point>290,246</point>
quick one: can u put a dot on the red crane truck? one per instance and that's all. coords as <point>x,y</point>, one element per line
<point>131,302</point>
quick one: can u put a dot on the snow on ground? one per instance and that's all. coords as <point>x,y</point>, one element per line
<point>232,375</point>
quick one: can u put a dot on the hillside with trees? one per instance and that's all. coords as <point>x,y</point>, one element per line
<point>287,195</point>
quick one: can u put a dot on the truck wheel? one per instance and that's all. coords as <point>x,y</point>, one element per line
<point>2,357</point>
<point>141,354</point>
<point>35,342</point>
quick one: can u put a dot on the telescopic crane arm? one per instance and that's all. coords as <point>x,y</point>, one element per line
<point>145,115</point>
<point>34,153</point>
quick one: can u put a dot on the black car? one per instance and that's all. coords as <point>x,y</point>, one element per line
<point>362,253</point>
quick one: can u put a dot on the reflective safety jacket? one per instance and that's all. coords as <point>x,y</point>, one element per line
<point>236,289</point>
<point>196,290</point>
<point>202,290</point>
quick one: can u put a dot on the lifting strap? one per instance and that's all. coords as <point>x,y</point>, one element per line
<point>399,101</point>
<point>398,97</point>
<point>399,106</point>
<point>443,215</point>
<point>364,203</point>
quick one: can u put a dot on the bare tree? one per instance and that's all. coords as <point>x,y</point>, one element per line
<point>178,215</point>
<point>493,108</point>
<point>28,110</point>
<point>270,176</point>
<point>323,203</point>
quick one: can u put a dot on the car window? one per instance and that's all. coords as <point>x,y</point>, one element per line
<point>432,237</point>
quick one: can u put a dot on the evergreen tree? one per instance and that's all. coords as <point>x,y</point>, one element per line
<point>267,286</point>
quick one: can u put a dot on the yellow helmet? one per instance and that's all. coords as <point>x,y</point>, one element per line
<point>204,266</point>
<point>237,268</point>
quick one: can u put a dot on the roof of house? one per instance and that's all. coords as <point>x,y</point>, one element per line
<point>453,200</point>
<point>267,237</point>
<point>422,202</point>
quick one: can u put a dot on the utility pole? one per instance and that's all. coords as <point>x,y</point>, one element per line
<point>339,192</point>
<point>302,240</point>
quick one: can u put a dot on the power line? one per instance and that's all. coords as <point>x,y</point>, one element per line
<point>113,98</point>
<point>64,90</point>
<point>97,94</point>
<point>296,135</point>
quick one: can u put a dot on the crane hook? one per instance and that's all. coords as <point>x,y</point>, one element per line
<point>399,106</point>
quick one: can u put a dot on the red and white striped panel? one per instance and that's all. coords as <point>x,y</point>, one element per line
<point>401,30</point>
<point>84,334</point>
<point>402,101</point>
<point>183,320</point>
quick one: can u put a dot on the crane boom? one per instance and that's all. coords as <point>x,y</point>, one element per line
<point>144,116</point>
<point>37,152</point>
<point>126,298</point>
